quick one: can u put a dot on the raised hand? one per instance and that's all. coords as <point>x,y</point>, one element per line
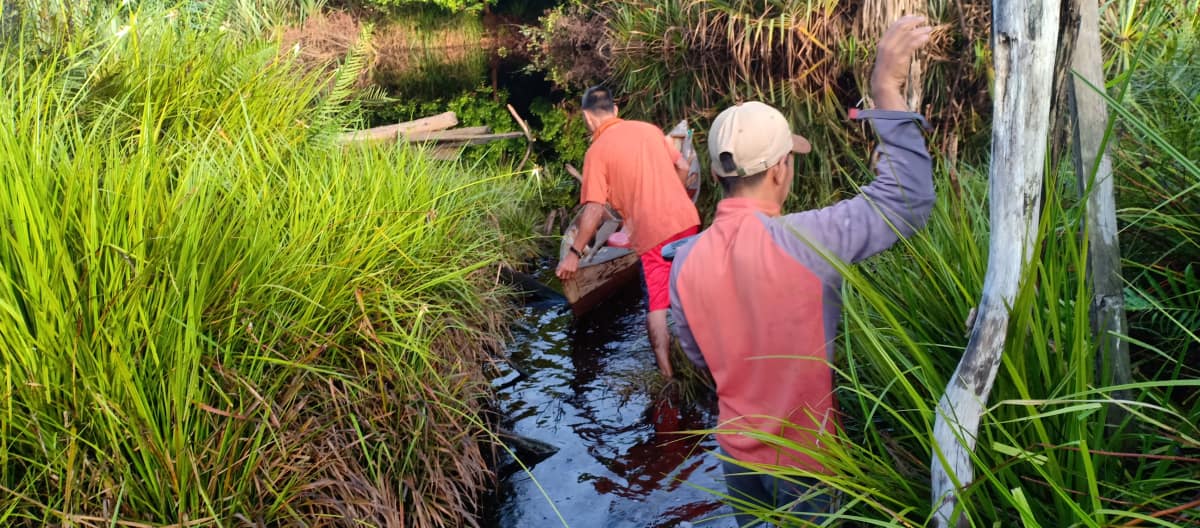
<point>896,48</point>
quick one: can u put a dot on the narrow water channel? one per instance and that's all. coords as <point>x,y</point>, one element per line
<point>621,460</point>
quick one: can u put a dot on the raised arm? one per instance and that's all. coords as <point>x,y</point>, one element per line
<point>901,198</point>
<point>893,59</point>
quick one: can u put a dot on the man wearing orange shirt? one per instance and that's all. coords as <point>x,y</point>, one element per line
<point>631,166</point>
<point>756,299</point>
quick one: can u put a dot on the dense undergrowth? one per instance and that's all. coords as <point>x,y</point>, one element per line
<point>212,315</point>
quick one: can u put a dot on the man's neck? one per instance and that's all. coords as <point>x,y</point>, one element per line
<point>605,122</point>
<point>759,194</point>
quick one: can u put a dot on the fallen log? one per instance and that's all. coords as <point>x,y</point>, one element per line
<point>480,139</point>
<point>389,133</point>
<point>528,450</point>
<point>450,150</point>
<point>444,135</point>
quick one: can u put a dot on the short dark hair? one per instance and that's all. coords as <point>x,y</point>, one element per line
<point>598,99</point>
<point>734,184</point>
<point>731,184</point>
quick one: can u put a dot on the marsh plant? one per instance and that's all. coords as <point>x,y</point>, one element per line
<point>210,314</point>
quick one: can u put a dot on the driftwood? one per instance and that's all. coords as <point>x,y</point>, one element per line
<point>528,136</point>
<point>389,133</point>
<point>438,130</point>
<point>450,149</point>
<point>574,172</point>
<point>1024,40</point>
<point>528,450</point>
<point>444,135</point>
<point>1093,169</point>
<point>480,139</point>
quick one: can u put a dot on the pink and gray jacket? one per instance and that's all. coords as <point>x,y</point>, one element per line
<point>756,297</point>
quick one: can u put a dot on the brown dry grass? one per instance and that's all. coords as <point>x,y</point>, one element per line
<point>332,446</point>
<point>796,42</point>
<point>396,49</point>
<point>324,40</point>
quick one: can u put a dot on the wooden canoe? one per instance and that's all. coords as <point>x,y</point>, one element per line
<point>606,269</point>
<point>602,270</point>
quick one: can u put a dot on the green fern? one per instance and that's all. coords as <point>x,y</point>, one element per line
<point>344,99</point>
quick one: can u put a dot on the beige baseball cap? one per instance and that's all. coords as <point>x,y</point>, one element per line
<point>755,135</point>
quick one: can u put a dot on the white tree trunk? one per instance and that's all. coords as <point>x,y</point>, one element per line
<point>1024,40</point>
<point>1094,171</point>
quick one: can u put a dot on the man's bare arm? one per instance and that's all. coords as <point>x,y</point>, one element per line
<point>589,223</point>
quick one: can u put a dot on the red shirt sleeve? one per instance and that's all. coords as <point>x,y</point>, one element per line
<point>595,180</point>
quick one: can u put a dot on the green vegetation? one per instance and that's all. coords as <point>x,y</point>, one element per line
<point>679,59</point>
<point>1160,189</point>
<point>450,6</point>
<point>210,314</point>
<point>1043,446</point>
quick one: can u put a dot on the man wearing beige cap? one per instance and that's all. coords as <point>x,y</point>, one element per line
<point>755,298</point>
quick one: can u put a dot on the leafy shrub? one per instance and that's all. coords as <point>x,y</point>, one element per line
<point>570,45</point>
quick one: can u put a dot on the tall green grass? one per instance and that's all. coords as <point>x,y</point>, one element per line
<point>208,316</point>
<point>1159,104</point>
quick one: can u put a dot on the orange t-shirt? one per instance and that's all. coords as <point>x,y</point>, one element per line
<point>631,167</point>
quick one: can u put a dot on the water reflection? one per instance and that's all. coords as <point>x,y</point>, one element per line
<point>622,461</point>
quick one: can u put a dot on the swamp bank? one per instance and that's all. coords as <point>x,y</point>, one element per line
<point>210,313</point>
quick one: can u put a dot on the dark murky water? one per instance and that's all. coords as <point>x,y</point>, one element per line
<point>620,462</point>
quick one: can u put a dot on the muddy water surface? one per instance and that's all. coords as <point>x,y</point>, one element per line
<point>621,461</point>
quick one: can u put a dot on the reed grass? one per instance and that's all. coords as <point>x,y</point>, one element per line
<point>1160,193</point>
<point>210,316</point>
<point>693,56</point>
<point>810,58</point>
